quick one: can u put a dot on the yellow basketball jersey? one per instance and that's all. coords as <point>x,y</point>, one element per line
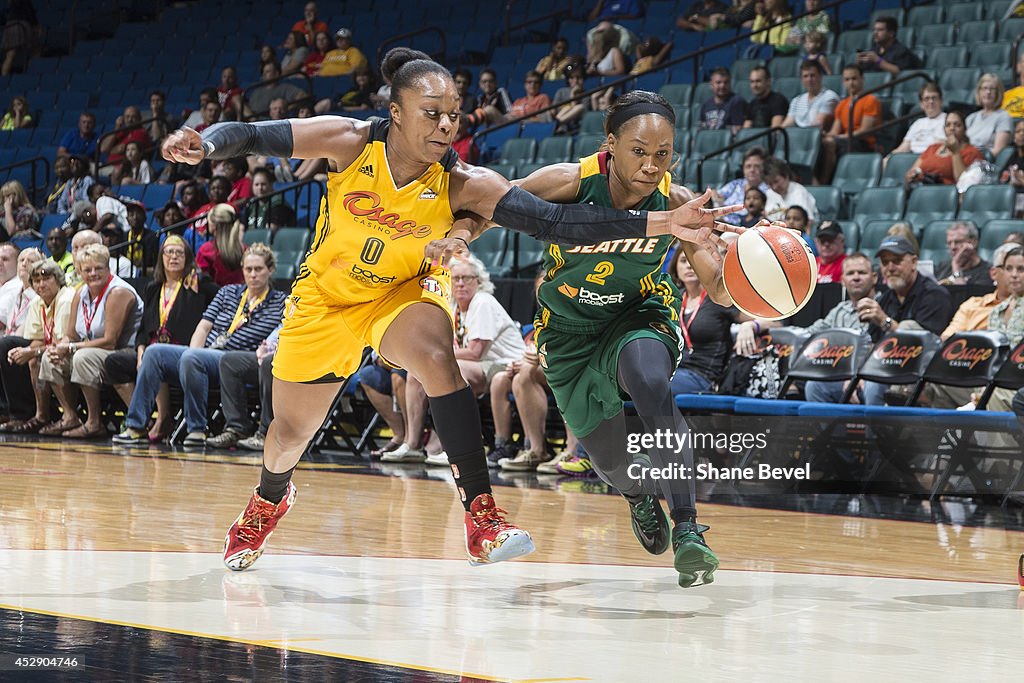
<point>370,234</point>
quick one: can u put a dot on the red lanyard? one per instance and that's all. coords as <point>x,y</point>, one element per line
<point>86,315</point>
<point>47,326</point>
<point>684,325</point>
<point>23,302</point>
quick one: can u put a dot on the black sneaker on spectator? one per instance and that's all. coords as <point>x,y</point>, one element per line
<point>253,443</point>
<point>506,450</point>
<point>228,439</point>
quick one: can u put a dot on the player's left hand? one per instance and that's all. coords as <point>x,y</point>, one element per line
<point>693,223</point>
<point>441,252</point>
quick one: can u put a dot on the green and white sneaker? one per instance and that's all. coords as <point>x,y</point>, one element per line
<point>650,524</point>
<point>694,560</point>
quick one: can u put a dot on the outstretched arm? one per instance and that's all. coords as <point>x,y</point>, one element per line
<point>336,138</point>
<point>493,198</point>
<point>705,259</point>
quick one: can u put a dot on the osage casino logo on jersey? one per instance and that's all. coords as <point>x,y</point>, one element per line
<point>585,296</point>
<point>365,209</point>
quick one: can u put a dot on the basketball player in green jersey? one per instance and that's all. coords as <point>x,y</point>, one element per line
<point>608,325</point>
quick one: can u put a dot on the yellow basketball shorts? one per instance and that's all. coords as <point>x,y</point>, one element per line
<point>321,337</point>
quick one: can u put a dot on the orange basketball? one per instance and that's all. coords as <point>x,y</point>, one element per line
<point>770,272</point>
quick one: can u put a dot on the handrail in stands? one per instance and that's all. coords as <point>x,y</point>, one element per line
<point>410,34</point>
<point>309,98</point>
<point>509,26</point>
<point>737,143</point>
<point>35,188</point>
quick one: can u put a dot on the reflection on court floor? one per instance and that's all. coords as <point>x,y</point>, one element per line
<point>533,621</point>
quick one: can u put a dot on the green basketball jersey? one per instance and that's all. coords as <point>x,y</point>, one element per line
<point>586,287</point>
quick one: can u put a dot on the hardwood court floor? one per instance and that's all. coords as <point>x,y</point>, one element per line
<point>370,569</point>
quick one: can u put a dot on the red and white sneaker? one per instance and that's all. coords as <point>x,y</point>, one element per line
<point>249,534</point>
<point>489,537</point>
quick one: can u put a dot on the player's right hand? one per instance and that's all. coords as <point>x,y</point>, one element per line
<point>184,145</point>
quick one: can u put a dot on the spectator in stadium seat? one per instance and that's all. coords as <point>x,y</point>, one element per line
<point>268,55</point>
<point>259,209</point>
<point>128,129</point>
<point>239,318</point>
<point>57,245</point>
<point>218,191</point>
<point>813,50</point>
<point>797,219</point>
<point>194,117</point>
<point>786,191</point>
<point>210,114</point>
<point>774,14</point>
<point>533,100</point>
<point>359,97</point>
<point>740,14</point>
<point>320,46</point>
<point>753,203</point>
<point>19,34</point>
<point>143,244</point>
<point>973,314</point>
<point>134,169</point>
<point>193,198</point>
<point>163,120</point>
<point>906,231</point>
<point>831,247</point>
<point>310,24</point>
<point>237,370</point>
<point>1013,99</point>
<point>910,297</point>
<point>18,213</point>
<point>295,53</point>
<point>235,171</point>
<point>944,162</point>
<point>705,326</point>
<point>261,97</point>
<point>1012,171</point>
<point>887,53</point>
<point>8,262</point>
<point>767,109</point>
<point>703,15</point>
<point>229,93</point>
<point>47,316</point>
<point>819,22</point>
<point>16,295</point>
<point>105,316</point>
<point>859,280</point>
<point>345,58</point>
<point>221,256</point>
<point>82,140</point>
<point>119,265</point>
<point>463,80</point>
<point>724,109</point>
<point>570,114</point>
<point>650,52</point>
<point>384,388</point>
<point>110,211</point>
<point>816,106</point>
<point>734,191</point>
<point>62,176</point>
<point>17,115</point>
<point>866,114</point>
<point>604,58</point>
<point>174,303</point>
<point>492,103</point>
<point>930,128</point>
<point>552,65</point>
<point>965,266</point>
<point>610,10</point>
<point>990,128</point>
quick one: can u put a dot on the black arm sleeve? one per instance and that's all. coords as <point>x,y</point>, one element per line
<point>268,138</point>
<point>569,224</point>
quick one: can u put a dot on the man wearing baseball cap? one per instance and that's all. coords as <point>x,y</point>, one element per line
<point>831,245</point>
<point>344,58</point>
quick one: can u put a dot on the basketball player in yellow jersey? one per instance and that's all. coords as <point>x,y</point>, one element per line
<point>395,186</point>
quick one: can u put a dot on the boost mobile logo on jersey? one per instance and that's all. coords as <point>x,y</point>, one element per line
<point>366,205</point>
<point>369,277</point>
<point>585,296</point>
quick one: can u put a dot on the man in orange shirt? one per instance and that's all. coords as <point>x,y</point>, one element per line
<point>867,113</point>
<point>310,24</point>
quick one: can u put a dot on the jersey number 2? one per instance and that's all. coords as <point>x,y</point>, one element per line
<point>602,270</point>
